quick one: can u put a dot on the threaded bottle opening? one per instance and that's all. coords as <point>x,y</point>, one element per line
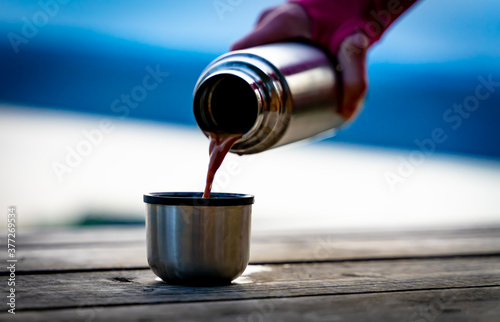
<point>226,103</point>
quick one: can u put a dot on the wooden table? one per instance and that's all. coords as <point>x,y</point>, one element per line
<point>98,274</point>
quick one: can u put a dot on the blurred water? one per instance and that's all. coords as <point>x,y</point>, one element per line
<point>296,187</point>
<point>92,52</point>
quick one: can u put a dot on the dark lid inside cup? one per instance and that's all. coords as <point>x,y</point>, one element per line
<point>195,199</point>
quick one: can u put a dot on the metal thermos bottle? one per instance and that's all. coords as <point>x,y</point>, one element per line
<point>273,94</point>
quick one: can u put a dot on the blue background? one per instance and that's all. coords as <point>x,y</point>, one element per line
<point>90,52</point>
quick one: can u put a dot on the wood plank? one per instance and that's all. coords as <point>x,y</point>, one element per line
<point>264,249</point>
<point>471,304</point>
<point>259,281</point>
<point>71,236</point>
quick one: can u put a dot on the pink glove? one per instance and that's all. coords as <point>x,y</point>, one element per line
<point>347,28</point>
<point>332,21</point>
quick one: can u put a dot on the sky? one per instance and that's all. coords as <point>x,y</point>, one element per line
<point>434,30</point>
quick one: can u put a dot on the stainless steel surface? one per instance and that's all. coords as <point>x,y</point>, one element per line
<point>198,244</point>
<point>296,91</point>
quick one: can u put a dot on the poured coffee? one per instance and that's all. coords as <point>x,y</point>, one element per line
<point>227,122</point>
<point>220,144</point>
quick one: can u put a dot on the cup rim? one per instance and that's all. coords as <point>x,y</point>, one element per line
<point>195,199</point>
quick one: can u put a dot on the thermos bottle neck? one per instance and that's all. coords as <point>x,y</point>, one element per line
<point>228,102</point>
<point>236,98</point>
<point>273,95</point>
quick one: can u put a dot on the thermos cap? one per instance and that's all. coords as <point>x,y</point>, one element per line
<point>195,199</point>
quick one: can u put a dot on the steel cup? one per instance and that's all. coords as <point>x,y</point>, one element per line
<point>196,241</point>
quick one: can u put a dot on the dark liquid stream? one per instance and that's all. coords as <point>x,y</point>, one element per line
<point>220,144</point>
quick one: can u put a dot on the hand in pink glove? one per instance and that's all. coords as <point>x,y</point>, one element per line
<point>346,28</point>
